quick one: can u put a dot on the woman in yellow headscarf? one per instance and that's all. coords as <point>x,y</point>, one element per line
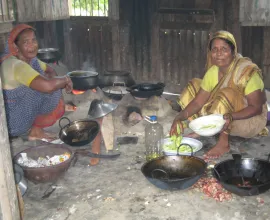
<point>232,86</point>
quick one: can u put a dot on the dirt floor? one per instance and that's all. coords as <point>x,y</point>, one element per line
<point>116,189</point>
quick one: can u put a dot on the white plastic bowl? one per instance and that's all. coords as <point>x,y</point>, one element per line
<point>215,119</point>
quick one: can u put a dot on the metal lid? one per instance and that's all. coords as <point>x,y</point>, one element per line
<point>99,108</point>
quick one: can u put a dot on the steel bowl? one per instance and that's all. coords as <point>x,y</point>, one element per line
<point>99,108</point>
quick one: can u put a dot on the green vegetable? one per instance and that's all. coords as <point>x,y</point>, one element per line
<point>173,147</point>
<point>176,141</point>
<point>207,127</point>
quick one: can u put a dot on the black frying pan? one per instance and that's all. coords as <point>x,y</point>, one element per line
<point>244,176</point>
<point>146,90</point>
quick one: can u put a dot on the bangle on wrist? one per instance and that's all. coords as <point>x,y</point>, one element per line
<point>66,79</point>
<point>228,116</point>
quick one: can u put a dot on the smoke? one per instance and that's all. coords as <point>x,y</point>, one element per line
<point>88,65</point>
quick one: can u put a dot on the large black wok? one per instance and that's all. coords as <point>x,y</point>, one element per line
<point>243,176</point>
<point>78,133</point>
<point>174,172</point>
<point>111,77</point>
<point>84,80</point>
<point>146,90</point>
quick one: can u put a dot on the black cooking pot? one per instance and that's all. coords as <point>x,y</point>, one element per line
<point>112,77</point>
<point>78,133</point>
<point>83,80</point>
<point>174,172</point>
<point>49,55</point>
<point>243,176</point>
<point>146,90</point>
<point>115,92</point>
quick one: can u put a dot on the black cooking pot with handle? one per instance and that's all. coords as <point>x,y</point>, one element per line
<point>111,77</point>
<point>84,80</point>
<point>146,90</point>
<point>243,176</point>
<point>49,55</point>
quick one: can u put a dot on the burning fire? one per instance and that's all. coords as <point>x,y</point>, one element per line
<point>79,92</point>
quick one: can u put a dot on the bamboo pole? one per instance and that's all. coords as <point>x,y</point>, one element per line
<point>8,194</point>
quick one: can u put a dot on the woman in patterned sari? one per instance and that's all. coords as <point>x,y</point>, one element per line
<point>232,86</point>
<point>31,88</point>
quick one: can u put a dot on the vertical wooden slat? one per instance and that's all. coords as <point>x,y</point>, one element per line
<point>175,52</point>
<point>162,37</point>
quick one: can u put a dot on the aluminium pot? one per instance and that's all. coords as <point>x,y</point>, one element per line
<point>146,90</point>
<point>116,77</point>
<point>49,55</point>
<point>83,80</point>
<point>243,176</point>
<point>78,133</point>
<point>176,172</point>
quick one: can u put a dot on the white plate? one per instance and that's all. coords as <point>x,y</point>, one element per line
<point>195,144</point>
<point>213,119</point>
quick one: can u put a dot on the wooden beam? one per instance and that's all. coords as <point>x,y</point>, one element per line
<point>185,26</point>
<point>114,17</point>
<point>219,16</point>
<point>232,21</point>
<point>9,202</point>
<point>187,11</point>
<point>114,9</point>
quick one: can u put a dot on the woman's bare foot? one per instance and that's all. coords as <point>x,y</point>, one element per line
<point>192,135</point>
<point>221,147</point>
<point>70,108</point>
<point>37,133</point>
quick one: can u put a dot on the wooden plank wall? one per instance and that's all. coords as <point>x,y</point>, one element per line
<point>91,45</point>
<point>148,48</point>
<point>255,12</point>
<point>41,10</point>
<point>182,55</point>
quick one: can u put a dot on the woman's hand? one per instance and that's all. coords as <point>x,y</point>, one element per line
<point>173,130</point>
<point>69,85</point>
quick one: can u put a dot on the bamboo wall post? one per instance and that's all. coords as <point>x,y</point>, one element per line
<point>8,194</point>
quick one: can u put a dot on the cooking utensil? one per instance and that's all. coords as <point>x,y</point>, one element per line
<point>127,140</point>
<point>174,172</point>
<point>99,108</point>
<point>207,125</point>
<point>78,133</point>
<point>146,90</point>
<point>87,153</point>
<point>19,179</point>
<point>84,80</point>
<point>49,55</point>
<point>49,173</point>
<point>116,92</point>
<point>243,176</point>
<point>195,144</point>
<point>110,77</point>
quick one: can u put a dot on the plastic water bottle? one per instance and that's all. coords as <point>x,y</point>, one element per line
<point>153,139</point>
